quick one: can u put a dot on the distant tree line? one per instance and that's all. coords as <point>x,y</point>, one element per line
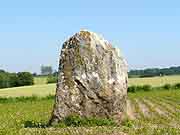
<point>46,70</point>
<point>8,80</point>
<point>151,72</point>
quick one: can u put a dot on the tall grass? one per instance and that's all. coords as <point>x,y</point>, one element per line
<point>24,99</point>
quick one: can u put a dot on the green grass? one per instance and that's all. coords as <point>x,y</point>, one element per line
<point>30,115</point>
<point>38,90</point>
<point>13,115</point>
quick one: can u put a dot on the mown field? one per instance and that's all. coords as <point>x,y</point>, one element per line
<point>155,112</point>
<point>155,81</point>
<point>38,90</point>
<point>40,80</point>
<point>42,89</point>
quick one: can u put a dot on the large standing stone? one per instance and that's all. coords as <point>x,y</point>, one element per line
<point>92,80</point>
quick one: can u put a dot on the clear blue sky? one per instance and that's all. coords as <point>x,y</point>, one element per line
<point>31,33</point>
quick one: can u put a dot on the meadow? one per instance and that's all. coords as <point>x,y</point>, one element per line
<point>42,89</point>
<point>153,112</point>
<point>155,81</point>
<point>38,90</point>
<point>40,80</point>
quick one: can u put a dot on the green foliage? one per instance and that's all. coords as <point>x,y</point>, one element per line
<point>4,80</point>
<point>13,80</point>
<point>151,72</point>
<point>25,99</point>
<point>177,86</point>
<point>33,124</point>
<point>77,121</point>
<point>127,123</point>
<point>134,88</point>
<point>25,78</point>
<point>167,86</point>
<point>146,87</point>
<point>52,79</point>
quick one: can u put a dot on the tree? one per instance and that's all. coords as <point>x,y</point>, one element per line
<point>4,80</point>
<point>34,74</point>
<point>155,72</point>
<point>25,78</point>
<point>8,80</point>
<point>46,70</point>
<point>13,80</point>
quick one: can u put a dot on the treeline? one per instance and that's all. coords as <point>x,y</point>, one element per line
<point>8,80</point>
<point>151,72</point>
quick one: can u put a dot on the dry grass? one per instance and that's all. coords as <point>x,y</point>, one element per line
<point>42,89</point>
<point>38,90</point>
<point>155,81</point>
<point>40,80</point>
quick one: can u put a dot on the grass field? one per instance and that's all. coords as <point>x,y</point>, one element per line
<point>40,80</point>
<point>42,89</point>
<point>155,81</point>
<point>38,90</point>
<point>156,112</point>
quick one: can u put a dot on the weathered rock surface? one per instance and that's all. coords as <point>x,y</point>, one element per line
<point>92,79</point>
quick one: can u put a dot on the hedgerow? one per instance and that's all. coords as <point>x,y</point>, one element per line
<point>8,80</point>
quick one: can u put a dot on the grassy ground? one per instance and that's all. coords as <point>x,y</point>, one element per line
<point>38,90</point>
<point>154,112</point>
<point>155,81</point>
<point>42,89</point>
<point>40,80</point>
<point>155,108</point>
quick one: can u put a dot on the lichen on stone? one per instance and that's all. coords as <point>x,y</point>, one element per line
<point>92,79</point>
